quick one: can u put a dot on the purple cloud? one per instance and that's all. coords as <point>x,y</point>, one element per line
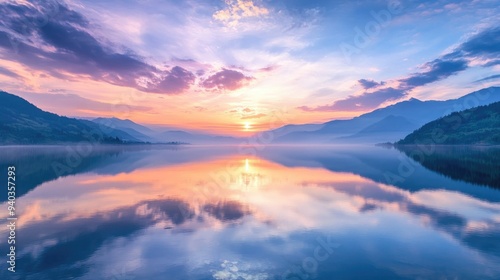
<point>484,45</point>
<point>268,68</point>
<point>177,80</point>
<point>76,51</point>
<point>368,84</point>
<point>438,69</point>
<point>492,77</point>
<point>226,79</point>
<point>8,73</point>
<point>365,101</point>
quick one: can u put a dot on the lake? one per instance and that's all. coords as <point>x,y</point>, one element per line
<point>296,212</point>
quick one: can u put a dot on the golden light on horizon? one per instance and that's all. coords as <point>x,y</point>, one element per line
<point>247,126</point>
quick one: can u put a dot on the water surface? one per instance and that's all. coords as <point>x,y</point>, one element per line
<point>162,212</point>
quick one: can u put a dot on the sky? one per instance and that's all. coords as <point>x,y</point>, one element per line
<point>235,67</point>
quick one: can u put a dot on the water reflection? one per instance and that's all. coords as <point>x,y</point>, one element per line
<point>206,213</point>
<point>226,210</point>
<point>479,165</point>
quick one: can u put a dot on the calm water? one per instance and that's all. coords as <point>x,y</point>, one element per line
<point>283,213</point>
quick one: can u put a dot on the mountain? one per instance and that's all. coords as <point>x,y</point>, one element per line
<point>415,113</point>
<point>139,132</point>
<point>383,165</point>
<point>394,127</point>
<point>147,134</point>
<point>289,128</point>
<point>327,131</point>
<point>23,123</point>
<point>388,124</point>
<point>119,123</point>
<point>195,138</point>
<point>479,125</point>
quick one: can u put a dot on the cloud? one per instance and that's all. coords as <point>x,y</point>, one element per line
<point>368,84</point>
<point>365,101</point>
<point>200,108</point>
<point>485,45</point>
<point>8,73</point>
<point>226,80</point>
<point>257,116</point>
<point>177,80</point>
<point>226,211</point>
<point>57,90</point>
<point>482,49</point>
<point>67,48</point>
<point>84,47</point>
<point>237,10</point>
<point>438,69</point>
<point>200,68</point>
<point>71,104</point>
<point>24,19</point>
<point>492,77</point>
<point>268,68</point>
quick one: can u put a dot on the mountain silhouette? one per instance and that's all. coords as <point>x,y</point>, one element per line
<point>23,123</point>
<point>480,125</point>
<point>415,113</point>
<point>140,132</point>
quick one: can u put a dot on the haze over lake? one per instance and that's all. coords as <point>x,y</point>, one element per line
<point>296,212</point>
<point>249,140</point>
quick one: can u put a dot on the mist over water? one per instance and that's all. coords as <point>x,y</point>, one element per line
<point>286,212</point>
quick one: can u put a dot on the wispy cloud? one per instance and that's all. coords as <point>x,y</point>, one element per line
<point>363,102</point>
<point>237,10</point>
<point>481,49</point>
<point>434,71</point>
<point>75,105</point>
<point>256,116</point>
<point>492,77</point>
<point>8,73</point>
<point>67,47</point>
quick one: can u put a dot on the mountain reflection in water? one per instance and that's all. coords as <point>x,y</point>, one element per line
<point>286,213</point>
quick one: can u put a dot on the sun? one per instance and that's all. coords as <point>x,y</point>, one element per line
<point>247,126</point>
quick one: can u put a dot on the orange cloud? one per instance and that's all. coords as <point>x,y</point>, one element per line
<point>237,10</point>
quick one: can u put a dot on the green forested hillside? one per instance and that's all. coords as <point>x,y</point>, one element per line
<point>474,164</point>
<point>23,123</point>
<point>476,126</point>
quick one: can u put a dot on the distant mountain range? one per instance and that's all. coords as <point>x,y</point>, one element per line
<point>147,134</point>
<point>291,128</point>
<point>476,126</point>
<point>198,138</point>
<point>23,123</point>
<point>139,132</point>
<point>388,124</point>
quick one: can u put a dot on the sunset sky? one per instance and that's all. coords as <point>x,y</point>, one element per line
<point>231,66</point>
